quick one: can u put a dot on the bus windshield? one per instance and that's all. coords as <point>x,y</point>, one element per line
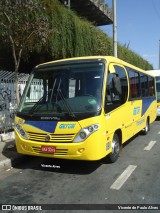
<point>63,89</point>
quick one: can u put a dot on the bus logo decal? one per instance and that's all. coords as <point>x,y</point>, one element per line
<point>136,110</point>
<point>67,126</point>
<point>47,138</point>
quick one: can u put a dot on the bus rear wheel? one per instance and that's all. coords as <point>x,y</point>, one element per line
<point>113,156</point>
<point>147,128</point>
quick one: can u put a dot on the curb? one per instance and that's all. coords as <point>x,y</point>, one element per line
<point>9,163</point>
<point>7,136</point>
<point>5,164</point>
<point>8,153</point>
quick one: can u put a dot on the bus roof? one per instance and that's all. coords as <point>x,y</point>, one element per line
<point>154,72</point>
<point>107,58</point>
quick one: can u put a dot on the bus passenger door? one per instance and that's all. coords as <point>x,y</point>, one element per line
<point>117,108</point>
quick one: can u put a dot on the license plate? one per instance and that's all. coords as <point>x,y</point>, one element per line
<point>48,149</point>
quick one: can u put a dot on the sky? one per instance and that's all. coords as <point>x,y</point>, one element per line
<point>138,25</point>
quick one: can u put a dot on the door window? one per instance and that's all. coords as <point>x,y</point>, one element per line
<point>117,88</point>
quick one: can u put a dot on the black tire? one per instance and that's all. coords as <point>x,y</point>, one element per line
<point>113,156</point>
<point>147,128</point>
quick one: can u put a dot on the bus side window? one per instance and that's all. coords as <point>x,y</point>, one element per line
<point>116,90</point>
<point>151,86</point>
<point>134,83</point>
<point>144,85</point>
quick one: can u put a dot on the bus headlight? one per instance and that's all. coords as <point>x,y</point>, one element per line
<point>86,132</point>
<point>21,131</point>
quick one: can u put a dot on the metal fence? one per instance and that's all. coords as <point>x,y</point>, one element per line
<point>8,104</point>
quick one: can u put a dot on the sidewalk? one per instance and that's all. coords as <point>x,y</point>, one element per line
<point>8,154</point>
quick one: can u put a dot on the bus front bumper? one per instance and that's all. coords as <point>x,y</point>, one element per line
<point>74,151</point>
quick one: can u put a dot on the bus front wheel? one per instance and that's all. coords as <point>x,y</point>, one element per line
<point>113,156</point>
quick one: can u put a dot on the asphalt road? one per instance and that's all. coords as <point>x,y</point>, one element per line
<point>132,183</point>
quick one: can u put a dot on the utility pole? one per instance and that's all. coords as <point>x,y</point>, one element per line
<point>114,28</point>
<point>159,54</point>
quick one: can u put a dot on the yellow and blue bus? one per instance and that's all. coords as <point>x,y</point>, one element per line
<point>84,108</point>
<point>156,73</point>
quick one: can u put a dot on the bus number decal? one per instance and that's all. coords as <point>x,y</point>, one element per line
<point>140,122</point>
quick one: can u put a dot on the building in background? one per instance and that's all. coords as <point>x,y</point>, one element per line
<point>95,11</point>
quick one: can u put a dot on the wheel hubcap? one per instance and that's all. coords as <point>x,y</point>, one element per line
<point>115,147</point>
<point>146,128</point>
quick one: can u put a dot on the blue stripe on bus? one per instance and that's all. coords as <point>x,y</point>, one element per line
<point>146,102</point>
<point>48,126</point>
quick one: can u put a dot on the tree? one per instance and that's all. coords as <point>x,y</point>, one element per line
<point>24,27</point>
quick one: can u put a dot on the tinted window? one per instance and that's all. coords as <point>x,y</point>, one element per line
<point>134,82</point>
<point>144,85</point>
<point>116,90</point>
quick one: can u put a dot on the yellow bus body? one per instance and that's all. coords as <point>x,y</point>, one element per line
<point>126,121</point>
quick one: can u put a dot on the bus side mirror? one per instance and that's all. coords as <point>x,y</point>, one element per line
<point>117,84</point>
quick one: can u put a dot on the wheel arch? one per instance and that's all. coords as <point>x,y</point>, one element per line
<point>119,134</point>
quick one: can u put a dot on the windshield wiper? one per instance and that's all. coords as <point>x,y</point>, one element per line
<point>71,113</point>
<point>35,106</point>
<point>66,104</point>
